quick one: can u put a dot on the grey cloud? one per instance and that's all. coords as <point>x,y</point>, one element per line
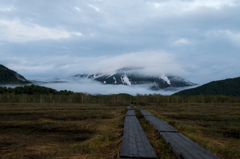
<point>200,38</point>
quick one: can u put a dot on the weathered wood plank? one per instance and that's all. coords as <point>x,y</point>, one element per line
<point>130,113</point>
<point>185,148</point>
<point>129,107</point>
<point>135,107</point>
<point>146,113</point>
<point>158,124</point>
<point>135,143</point>
<point>182,146</point>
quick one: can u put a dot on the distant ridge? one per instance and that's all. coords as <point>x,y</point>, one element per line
<point>132,76</point>
<point>227,87</point>
<point>8,76</point>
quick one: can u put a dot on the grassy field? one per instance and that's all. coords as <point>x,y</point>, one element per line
<point>216,127</point>
<point>60,131</point>
<point>95,131</point>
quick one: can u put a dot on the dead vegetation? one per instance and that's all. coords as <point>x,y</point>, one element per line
<point>95,130</point>
<point>60,130</point>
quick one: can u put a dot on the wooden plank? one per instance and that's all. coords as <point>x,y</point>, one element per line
<point>135,107</point>
<point>182,146</point>
<point>146,113</point>
<point>135,143</point>
<point>129,107</point>
<point>197,148</point>
<point>158,124</point>
<point>130,113</point>
<point>177,146</point>
<point>185,148</point>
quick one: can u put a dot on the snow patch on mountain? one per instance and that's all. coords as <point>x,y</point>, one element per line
<point>165,78</point>
<point>125,80</point>
<point>115,80</point>
<point>97,75</point>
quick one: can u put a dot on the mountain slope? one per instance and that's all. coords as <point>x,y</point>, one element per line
<point>124,77</point>
<point>227,87</point>
<point>8,76</point>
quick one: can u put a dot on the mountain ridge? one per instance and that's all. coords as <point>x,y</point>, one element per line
<point>226,87</point>
<point>127,76</point>
<point>8,76</point>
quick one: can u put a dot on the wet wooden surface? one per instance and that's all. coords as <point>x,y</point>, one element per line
<point>135,143</point>
<point>158,124</point>
<point>129,107</point>
<point>183,147</point>
<point>130,113</point>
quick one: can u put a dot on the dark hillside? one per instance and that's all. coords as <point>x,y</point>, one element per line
<point>8,76</point>
<point>227,87</point>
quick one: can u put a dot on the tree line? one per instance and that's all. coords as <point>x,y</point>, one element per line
<point>39,94</point>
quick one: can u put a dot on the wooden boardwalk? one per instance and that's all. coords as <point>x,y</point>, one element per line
<point>159,125</point>
<point>183,147</point>
<point>135,143</point>
<point>129,107</point>
<point>130,113</point>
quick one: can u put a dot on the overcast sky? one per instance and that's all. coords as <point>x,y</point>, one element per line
<point>196,39</point>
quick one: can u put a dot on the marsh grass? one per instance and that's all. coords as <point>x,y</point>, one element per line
<point>60,130</point>
<point>216,127</point>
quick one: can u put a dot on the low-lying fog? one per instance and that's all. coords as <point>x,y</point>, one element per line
<point>94,87</point>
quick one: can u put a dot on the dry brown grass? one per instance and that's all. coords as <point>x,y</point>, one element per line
<point>60,131</point>
<point>216,127</point>
<point>95,131</point>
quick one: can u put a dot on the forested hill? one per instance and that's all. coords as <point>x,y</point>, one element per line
<point>8,76</point>
<point>31,90</point>
<point>227,87</point>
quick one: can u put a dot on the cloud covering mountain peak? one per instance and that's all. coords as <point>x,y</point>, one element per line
<point>149,63</point>
<point>195,39</point>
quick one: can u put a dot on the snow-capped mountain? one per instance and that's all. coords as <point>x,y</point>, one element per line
<point>126,77</point>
